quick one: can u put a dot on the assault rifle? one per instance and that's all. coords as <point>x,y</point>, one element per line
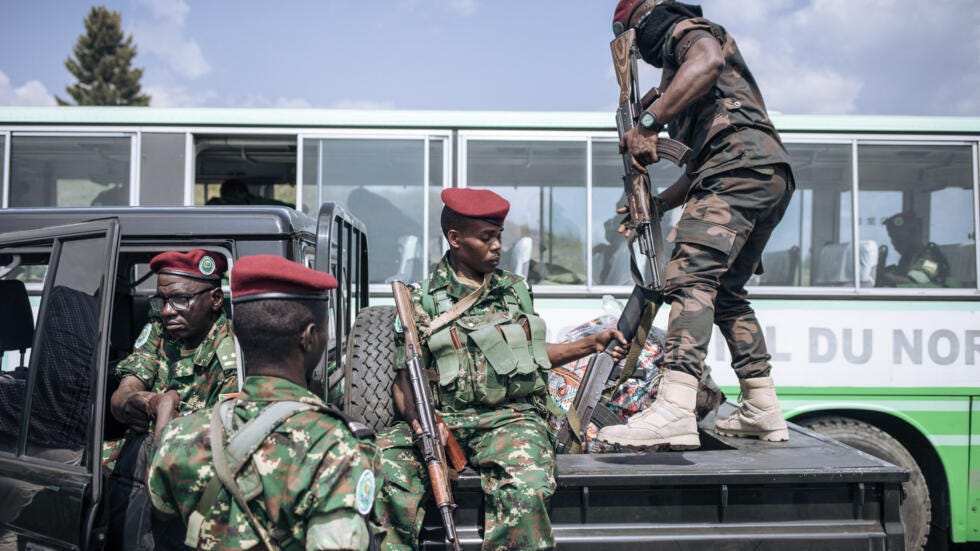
<point>643,224</point>
<point>427,428</point>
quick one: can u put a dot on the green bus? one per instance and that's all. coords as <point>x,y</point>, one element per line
<point>888,366</point>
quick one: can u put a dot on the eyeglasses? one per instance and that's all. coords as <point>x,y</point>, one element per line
<point>178,302</point>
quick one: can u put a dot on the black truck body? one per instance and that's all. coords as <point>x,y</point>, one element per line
<point>810,492</point>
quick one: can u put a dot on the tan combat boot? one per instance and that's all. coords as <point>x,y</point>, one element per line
<point>669,420</point>
<point>759,414</point>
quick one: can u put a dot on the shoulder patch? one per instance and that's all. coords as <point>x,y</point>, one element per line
<point>364,495</point>
<point>144,335</point>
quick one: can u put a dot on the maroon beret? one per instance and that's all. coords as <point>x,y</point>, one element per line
<point>197,264</point>
<point>477,203</point>
<point>624,12</point>
<point>267,276</point>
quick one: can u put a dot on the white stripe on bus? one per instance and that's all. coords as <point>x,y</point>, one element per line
<point>897,405</point>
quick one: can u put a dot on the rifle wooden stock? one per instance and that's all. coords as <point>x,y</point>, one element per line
<point>425,427</point>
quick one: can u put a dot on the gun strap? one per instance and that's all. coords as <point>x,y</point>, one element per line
<point>241,446</point>
<point>639,341</point>
<point>573,419</point>
<point>460,307</point>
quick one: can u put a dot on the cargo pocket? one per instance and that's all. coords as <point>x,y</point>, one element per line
<point>707,234</point>
<point>451,360</point>
<point>491,387</point>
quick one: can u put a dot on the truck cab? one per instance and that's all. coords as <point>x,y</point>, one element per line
<point>74,291</point>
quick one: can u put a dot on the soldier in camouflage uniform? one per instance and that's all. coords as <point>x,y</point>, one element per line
<point>735,190</point>
<point>184,359</point>
<point>491,362</point>
<point>919,265</point>
<point>274,466</point>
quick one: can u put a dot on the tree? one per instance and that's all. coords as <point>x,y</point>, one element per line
<point>102,64</point>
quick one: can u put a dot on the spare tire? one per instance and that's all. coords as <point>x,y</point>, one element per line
<point>369,371</point>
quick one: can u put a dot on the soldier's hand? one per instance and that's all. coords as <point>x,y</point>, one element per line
<point>135,411</point>
<point>642,146</point>
<point>603,339</point>
<point>624,226</point>
<point>164,405</point>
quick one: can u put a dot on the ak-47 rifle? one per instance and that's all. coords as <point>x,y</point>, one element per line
<point>427,428</point>
<point>644,226</point>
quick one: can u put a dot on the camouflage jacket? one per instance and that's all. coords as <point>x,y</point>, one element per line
<point>494,353</point>
<point>317,480</point>
<point>199,378</point>
<point>728,127</point>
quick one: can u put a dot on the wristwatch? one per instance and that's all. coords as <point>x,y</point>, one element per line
<point>649,121</point>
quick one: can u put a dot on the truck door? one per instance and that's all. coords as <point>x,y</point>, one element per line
<point>341,251</point>
<point>56,289</point>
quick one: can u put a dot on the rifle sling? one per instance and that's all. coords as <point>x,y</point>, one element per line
<point>241,446</point>
<point>460,307</point>
<point>639,340</point>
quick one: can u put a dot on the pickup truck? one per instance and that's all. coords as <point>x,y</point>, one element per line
<point>74,285</point>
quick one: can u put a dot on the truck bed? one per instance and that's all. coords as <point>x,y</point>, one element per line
<point>810,492</point>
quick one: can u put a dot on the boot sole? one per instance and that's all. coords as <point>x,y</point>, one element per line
<point>781,435</point>
<point>677,444</point>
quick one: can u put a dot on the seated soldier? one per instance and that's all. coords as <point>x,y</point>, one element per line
<point>919,265</point>
<point>494,409</point>
<point>308,473</point>
<point>183,361</point>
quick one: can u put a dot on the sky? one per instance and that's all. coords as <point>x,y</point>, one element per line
<point>889,57</point>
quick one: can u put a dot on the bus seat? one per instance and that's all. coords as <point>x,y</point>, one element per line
<point>411,259</point>
<point>962,263</point>
<point>835,264</point>
<point>781,267</point>
<point>520,256</point>
<point>17,321</point>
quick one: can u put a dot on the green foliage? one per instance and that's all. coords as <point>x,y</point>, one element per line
<point>102,64</point>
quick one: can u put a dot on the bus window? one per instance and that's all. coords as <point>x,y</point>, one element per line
<point>610,255</point>
<point>544,237</point>
<point>3,151</point>
<point>916,205</point>
<point>382,182</point>
<point>69,171</point>
<point>245,170</point>
<point>811,246</point>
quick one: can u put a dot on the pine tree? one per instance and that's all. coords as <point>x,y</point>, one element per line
<point>102,58</point>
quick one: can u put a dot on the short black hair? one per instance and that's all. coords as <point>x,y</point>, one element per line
<point>267,329</point>
<point>452,220</point>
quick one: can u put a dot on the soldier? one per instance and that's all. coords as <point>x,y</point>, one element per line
<point>919,265</point>
<point>275,466</point>
<point>735,190</point>
<point>184,359</point>
<point>492,364</point>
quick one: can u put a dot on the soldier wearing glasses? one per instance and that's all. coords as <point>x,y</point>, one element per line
<point>184,360</point>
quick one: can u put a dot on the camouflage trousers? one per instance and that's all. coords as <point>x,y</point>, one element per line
<point>513,450</point>
<point>726,223</point>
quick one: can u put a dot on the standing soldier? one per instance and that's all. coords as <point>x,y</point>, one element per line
<point>183,361</point>
<point>275,466</point>
<point>735,190</point>
<point>492,364</point>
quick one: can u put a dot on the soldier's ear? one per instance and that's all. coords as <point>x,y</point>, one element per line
<point>308,337</point>
<point>217,299</point>
<point>455,238</point>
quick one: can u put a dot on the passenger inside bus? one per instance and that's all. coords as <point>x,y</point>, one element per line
<point>921,264</point>
<point>236,192</point>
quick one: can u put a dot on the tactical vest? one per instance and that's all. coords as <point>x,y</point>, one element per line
<point>489,359</point>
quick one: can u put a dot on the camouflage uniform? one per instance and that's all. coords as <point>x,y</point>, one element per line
<point>741,186</point>
<point>199,378</point>
<point>494,404</point>
<point>317,481</point>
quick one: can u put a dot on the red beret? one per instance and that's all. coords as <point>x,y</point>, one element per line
<point>197,264</point>
<point>477,203</point>
<point>267,276</point>
<point>624,12</point>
